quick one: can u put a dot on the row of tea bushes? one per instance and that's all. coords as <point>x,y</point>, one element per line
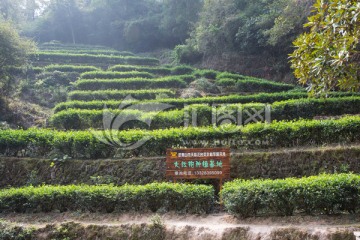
<point>204,114</point>
<point>106,144</point>
<point>254,85</point>
<point>54,57</point>
<point>178,70</point>
<point>108,198</point>
<point>324,194</point>
<point>70,68</point>
<point>89,51</point>
<point>120,94</point>
<point>115,75</point>
<point>127,84</point>
<point>179,103</point>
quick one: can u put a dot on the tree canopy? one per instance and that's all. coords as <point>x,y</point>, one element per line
<point>328,56</point>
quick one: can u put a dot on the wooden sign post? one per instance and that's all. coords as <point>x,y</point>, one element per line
<point>198,163</point>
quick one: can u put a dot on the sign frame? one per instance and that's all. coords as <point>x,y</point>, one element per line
<point>198,163</point>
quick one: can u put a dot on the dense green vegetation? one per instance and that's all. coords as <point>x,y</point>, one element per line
<point>13,53</point>
<point>108,198</point>
<point>325,194</point>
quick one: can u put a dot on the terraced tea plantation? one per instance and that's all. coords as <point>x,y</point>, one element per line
<point>291,155</point>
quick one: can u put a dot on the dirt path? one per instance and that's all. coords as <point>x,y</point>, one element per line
<point>200,227</point>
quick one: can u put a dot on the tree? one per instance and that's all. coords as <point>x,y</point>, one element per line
<point>13,53</point>
<point>327,57</point>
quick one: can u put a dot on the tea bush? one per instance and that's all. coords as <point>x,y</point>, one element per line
<point>324,194</point>
<point>118,94</point>
<point>106,144</point>
<point>286,110</point>
<point>70,68</point>
<point>107,198</point>
<point>126,84</point>
<point>153,70</point>
<point>115,75</point>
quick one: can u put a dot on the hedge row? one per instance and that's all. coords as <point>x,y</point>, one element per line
<point>89,51</point>
<point>286,110</point>
<point>107,198</point>
<point>178,70</point>
<point>119,94</point>
<point>58,45</point>
<point>107,144</point>
<point>90,58</point>
<point>229,75</point>
<point>70,68</point>
<point>115,75</point>
<point>254,85</point>
<point>153,70</point>
<point>324,194</point>
<point>135,83</point>
<point>179,103</point>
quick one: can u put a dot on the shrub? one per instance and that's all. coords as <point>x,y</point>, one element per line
<point>114,75</point>
<point>118,94</point>
<point>125,84</point>
<point>107,198</point>
<point>318,194</point>
<point>187,54</point>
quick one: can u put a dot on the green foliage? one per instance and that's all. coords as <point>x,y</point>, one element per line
<point>118,94</point>
<point>325,194</point>
<point>107,198</point>
<point>187,54</point>
<point>114,75</point>
<point>327,57</point>
<point>135,83</point>
<point>226,82</point>
<point>63,58</point>
<point>70,68</point>
<point>85,144</point>
<point>180,102</point>
<point>14,51</point>
<point>286,110</point>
